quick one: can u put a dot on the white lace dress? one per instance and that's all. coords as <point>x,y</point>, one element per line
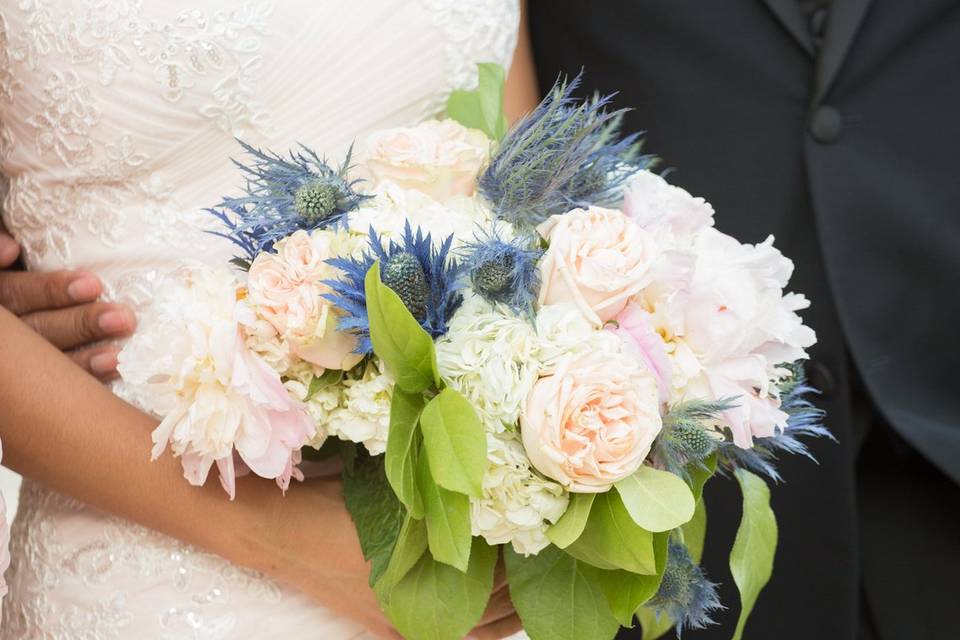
<point>117,122</point>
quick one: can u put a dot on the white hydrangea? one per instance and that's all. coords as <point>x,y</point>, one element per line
<point>518,505</point>
<point>491,357</point>
<point>363,414</point>
<point>392,206</point>
<point>320,406</point>
<point>563,331</point>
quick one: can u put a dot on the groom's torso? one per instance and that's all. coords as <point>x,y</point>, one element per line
<point>843,146</point>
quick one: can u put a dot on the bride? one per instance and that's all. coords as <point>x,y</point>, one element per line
<point>117,122</point>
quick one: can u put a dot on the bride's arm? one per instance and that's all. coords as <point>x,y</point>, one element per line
<point>63,428</point>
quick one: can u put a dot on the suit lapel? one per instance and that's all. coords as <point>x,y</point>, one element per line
<point>788,13</point>
<point>845,19</point>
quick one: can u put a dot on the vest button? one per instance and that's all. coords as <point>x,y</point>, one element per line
<point>826,125</point>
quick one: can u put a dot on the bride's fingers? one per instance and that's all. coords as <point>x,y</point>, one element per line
<point>101,362</point>
<point>82,324</point>
<point>497,630</point>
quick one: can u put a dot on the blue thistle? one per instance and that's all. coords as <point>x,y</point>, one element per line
<point>565,154</point>
<point>805,420</point>
<point>416,270</point>
<point>685,594</point>
<point>502,271</point>
<point>284,195</point>
<point>687,436</point>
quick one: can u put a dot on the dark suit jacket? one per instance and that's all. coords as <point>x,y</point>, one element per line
<point>849,158</point>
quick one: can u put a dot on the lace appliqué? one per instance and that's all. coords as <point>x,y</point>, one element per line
<point>42,558</point>
<point>476,31</point>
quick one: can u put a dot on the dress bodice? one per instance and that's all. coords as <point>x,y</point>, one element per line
<point>117,123</point>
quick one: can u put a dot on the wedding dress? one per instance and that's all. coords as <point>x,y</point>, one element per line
<point>117,122</point>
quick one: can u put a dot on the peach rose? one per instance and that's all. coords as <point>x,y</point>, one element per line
<point>592,421</point>
<point>286,290</point>
<point>438,157</point>
<point>598,258</point>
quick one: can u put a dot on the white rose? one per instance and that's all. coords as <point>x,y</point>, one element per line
<point>598,258</point>
<point>439,158</point>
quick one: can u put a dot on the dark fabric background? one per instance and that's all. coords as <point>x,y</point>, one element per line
<point>872,222</point>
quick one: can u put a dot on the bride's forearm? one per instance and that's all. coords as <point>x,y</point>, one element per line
<point>64,429</point>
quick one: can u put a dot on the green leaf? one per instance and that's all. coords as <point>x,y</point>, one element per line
<point>447,516</point>
<point>626,592</point>
<point>456,442</point>
<point>574,519</point>
<point>612,540</point>
<point>434,601</point>
<point>700,473</point>
<point>318,383</point>
<point>403,445</point>
<point>375,510</point>
<point>558,597</point>
<point>656,500</point>
<point>751,561</point>
<point>411,545</point>
<point>653,627</point>
<point>398,339</point>
<point>482,108</point>
<point>695,531</point>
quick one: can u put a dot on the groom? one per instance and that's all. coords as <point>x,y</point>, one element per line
<point>834,125</point>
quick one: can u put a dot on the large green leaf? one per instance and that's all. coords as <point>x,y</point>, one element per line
<point>403,445</point>
<point>375,510</point>
<point>482,108</point>
<point>456,442</point>
<point>558,597</point>
<point>626,591</point>
<point>612,540</point>
<point>751,561</point>
<point>435,601</point>
<point>695,531</point>
<point>398,338</point>
<point>700,473</point>
<point>448,518</point>
<point>410,546</point>
<point>653,626</point>
<point>656,500</point>
<point>574,519</point>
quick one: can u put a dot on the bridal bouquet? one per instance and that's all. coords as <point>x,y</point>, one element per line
<point>518,342</point>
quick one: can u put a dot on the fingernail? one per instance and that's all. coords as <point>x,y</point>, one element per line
<point>84,289</point>
<point>103,363</point>
<point>116,321</point>
<point>8,249</point>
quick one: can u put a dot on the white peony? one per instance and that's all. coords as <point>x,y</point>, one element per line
<point>363,414</point>
<point>491,357</point>
<point>190,364</point>
<point>518,505</point>
<point>730,328</point>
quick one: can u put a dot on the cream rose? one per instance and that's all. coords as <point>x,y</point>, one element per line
<point>598,258</point>
<point>286,290</point>
<point>438,157</point>
<point>592,421</point>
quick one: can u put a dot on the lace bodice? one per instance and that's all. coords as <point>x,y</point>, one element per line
<point>117,122</point>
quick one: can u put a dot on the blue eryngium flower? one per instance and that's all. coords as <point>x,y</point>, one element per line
<point>421,274</point>
<point>688,437</point>
<point>685,594</point>
<point>563,155</point>
<point>804,420</point>
<point>284,195</point>
<point>502,271</point>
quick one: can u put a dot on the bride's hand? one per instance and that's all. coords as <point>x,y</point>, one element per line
<point>62,307</point>
<point>310,541</point>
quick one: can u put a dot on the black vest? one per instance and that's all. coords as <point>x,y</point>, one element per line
<point>848,156</point>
